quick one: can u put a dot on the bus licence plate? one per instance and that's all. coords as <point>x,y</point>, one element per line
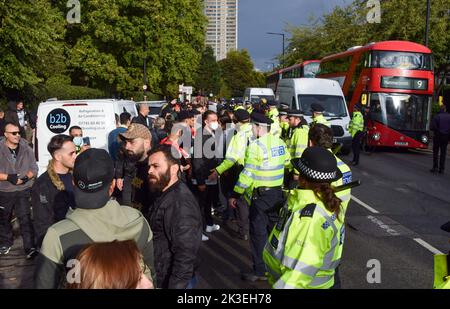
<point>401,143</point>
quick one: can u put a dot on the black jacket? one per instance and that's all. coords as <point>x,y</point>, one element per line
<point>50,202</point>
<point>441,123</point>
<point>141,119</point>
<point>176,223</point>
<point>203,161</point>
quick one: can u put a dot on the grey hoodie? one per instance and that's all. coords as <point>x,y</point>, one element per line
<point>25,162</point>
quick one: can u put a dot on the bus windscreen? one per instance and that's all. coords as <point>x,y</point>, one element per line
<point>401,111</point>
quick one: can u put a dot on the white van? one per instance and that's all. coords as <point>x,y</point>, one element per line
<point>95,117</point>
<point>255,95</point>
<point>300,93</point>
<point>155,108</point>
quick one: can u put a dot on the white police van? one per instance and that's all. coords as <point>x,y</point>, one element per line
<point>300,93</point>
<point>95,117</point>
<point>255,95</point>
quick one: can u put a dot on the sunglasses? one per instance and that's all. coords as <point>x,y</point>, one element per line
<point>14,133</point>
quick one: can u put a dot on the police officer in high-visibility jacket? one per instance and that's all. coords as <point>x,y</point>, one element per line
<point>296,142</point>
<point>273,114</point>
<point>356,129</point>
<point>298,133</point>
<point>265,160</point>
<point>322,136</point>
<point>305,246</point>
<point>317,111</point>
<point>234,159</point>
<point>284,121</point>
<point>442,266</point>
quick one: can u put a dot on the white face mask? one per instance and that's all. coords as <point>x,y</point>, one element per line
<point>214,125</point>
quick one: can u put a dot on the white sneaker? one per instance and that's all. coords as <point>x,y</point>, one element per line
<point>212,228</point>
<point>204,237</point>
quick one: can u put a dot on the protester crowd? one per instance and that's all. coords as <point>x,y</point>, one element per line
<point>136,216</point>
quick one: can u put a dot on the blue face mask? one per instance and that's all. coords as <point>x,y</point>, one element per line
<point>78,141</point>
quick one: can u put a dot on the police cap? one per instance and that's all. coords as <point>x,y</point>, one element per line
<point>261,119</point>
<point>241,115</point>
<point>317,164</point>
<point>294,113</point>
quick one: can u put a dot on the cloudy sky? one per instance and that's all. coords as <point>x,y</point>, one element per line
<point>256,17</point>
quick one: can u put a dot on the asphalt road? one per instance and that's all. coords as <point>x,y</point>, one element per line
<point>401,229</point>
<point>397,235</point>
<point>393,227</point>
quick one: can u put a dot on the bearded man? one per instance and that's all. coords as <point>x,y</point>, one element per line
<point>175,220</point>
<point>137,143</point>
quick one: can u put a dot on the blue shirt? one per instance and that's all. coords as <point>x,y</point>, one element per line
<point>114,143</point>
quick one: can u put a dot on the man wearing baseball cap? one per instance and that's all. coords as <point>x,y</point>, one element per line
<point>137,143</point>
<point>97,218</point>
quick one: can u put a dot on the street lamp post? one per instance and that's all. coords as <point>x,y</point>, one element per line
<point>427,29</point>
<point>282,34</point>
<point>145,67</point>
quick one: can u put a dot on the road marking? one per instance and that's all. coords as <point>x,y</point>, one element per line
<point>383,226</point>
<point>372,210</point>
<point>420,241</point>
<point>427,246</point>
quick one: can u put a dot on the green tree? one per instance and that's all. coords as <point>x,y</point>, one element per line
<point>31,46</point>
<point>237,72</point>
<point>107,50</point>
<point>207,77</point>
<point>259,79</point>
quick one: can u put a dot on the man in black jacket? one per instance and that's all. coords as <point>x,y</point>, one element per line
<point>175,220</point>
<point>52,193</point>
<point>207,151</point>
<point>441,128</point>
<point>142,118</point>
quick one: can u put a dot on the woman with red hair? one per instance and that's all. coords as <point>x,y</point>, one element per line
<point>111,265</point>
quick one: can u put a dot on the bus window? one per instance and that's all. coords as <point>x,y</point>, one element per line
<point>310,69</point>
<point>338,65</point>
<point>356,76</point>
<point>401,60</point>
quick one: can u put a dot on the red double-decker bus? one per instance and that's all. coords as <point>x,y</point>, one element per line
<point>395,80</point>
<point>307,68</point>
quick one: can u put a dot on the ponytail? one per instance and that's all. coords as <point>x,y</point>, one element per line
<point>326,194</point>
